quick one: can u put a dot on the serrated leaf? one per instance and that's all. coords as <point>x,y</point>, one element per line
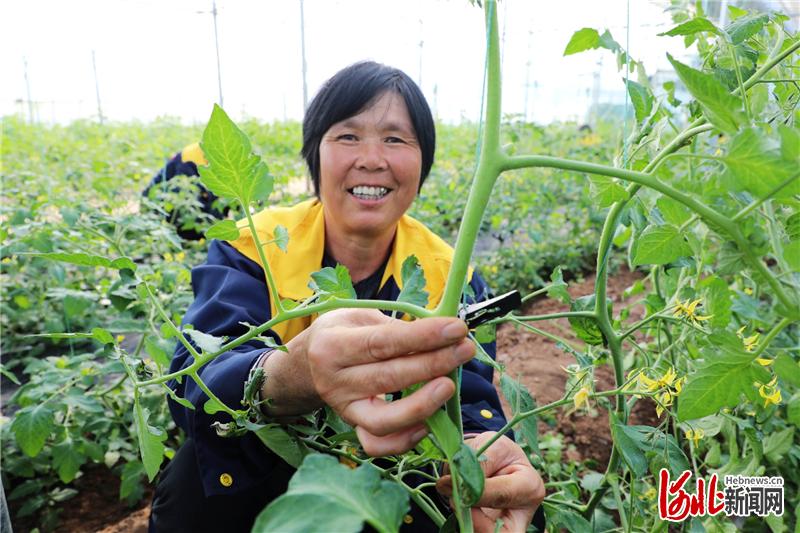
<point>413,277</point>
<point>89,260</point>
<point>629,449</point>
<point>341,499</point>
<point>605,191</point>
<point>225,230</point>
<point>67,460</point>
<point>719,382</point>
<point>787,369</point>
<point>756,163</point>
<point>673,211</point>
<point>32,425</point>
<point>581,40</point>
<point>745,27</point>
<point>207,343</point>
<point>778,443</point>
<point>562,518</point>
<point>470,473</point>
<point>658,245</point>
<point>281,443</point>
<point>718,301</point>
<point>281,237</point>
<point>520,400</point>
<point>641,99</point>
<point>720,107</point>
<point>690,27</point>
<point>332,283</point>
<point>151,446</point>
<point>233,170</point>
<point>558,288</point>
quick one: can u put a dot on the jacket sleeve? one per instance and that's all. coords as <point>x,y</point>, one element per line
<point>480,405</point>
<point>229,290</point>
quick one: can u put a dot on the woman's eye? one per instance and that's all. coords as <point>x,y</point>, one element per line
<point>346,137</point>
<point>394,140</point>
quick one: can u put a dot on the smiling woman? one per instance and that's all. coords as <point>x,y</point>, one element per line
<point>369,141</point>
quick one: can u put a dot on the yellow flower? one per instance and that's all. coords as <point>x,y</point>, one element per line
<point>655,384</point>
<point>651,493</point>
<point>764,362</point>
<point>770,393</point>
<point>687,310</point>
<point>669,384</point>
<point>695,435</point>
<point>180,256</point>
<point>748,291</point>
<point>664,401</point>
<point>750,343</point>
<point>120,338</point>
<point>581,397</point>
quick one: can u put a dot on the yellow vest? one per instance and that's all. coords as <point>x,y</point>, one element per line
<point>305,224</point>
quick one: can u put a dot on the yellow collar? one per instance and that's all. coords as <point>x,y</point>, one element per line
<point>305,224</point>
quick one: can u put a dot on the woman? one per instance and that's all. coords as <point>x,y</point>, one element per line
<point>368,140</point>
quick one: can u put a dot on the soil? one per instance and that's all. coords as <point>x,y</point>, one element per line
<point>536,361</point>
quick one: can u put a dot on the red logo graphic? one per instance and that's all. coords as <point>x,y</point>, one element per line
<point>675,504</point>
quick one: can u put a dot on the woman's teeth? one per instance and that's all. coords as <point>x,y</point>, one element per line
<point>369,193</point>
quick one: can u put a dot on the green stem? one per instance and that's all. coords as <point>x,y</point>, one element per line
<point>547,334</point>
<point>211,396</point>
<point>271,286</point>
<point>756,203</point>
<point>745,101</point>
<point>771,335</point>
<point>535,318</point>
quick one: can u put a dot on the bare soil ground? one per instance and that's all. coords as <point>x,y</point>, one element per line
<point>533,359</point>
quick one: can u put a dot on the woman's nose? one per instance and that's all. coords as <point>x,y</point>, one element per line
<point>370,156</point>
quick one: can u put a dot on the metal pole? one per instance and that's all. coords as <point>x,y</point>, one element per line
<point>216,45</point>
<point>303,54</point>
<point>28,89</point>
<point>97,90</point>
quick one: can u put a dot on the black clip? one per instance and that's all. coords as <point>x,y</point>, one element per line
<point>480,313</point>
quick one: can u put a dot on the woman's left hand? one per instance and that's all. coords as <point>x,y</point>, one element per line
<point>513,489</point>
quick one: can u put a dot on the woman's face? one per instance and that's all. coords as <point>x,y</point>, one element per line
<point>370,168</point>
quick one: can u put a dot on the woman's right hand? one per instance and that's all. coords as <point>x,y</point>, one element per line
<point>350,358</point>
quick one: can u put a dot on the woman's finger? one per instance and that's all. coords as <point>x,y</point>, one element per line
<point>382,418</point>
<point>379,342</point>
<point>391,444</point>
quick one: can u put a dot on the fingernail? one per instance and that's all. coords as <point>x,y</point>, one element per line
<point>454,330</point>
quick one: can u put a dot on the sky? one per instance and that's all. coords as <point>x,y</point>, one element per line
<point>157,57</point>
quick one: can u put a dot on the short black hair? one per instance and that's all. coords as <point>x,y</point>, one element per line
<point>353,89</point>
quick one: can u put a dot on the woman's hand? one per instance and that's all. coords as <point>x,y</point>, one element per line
<point>513,489</point>
<point>350,358</point>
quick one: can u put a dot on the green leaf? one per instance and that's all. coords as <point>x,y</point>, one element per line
<point>332,283</point>
<point>212,406</point>
<point>156,352</point>
<point>558,288</point>
<point>583,39</point>
<point>690,27</point>
<point>281,237</point>
<point>586,328</point>
<point>413,278</point>
<point>486,333</point>
<point>470,475</point>
<point>32,425</point>
<point>520,400</point>
<point>718,301</point>
<point>720,107</point>
<point>225,230</point>
<point>207,343</point>
<point>281,443</point>
<point>233,170</point>
<point>777,444</point>
<point>151,445</point>
<point>67,460</point>
<point>793,410</point>
<point>325,495</point>
<point>745,27</point>
<point>756,163</point>
<point>628,446</point>
<point>562,518</point>
<point>673,211</point>
<point>787,369</point>
<point>641,99</point>
<point>132,474</point>
<point>89,260</point>
<point>719,382</point>
<point>445,432</point>
<point>658,245</point>
<point>790,142</point>
<point>606,191</point>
